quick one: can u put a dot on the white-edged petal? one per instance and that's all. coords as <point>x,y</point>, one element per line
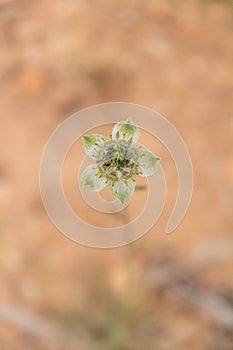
<point>93,145</point>
<point>90,177</point>
<point>147,162</point>
<point>126,130</point>
<point>123,189</point>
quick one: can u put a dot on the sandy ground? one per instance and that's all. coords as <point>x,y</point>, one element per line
<point>61,56</point>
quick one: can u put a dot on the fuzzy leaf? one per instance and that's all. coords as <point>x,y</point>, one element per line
<point>90,177</point>
<point>126,130</point>
<point>93,145</point>
<point>123,189</point>
<point>147,162</point>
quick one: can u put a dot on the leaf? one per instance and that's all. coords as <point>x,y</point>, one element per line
<point>123,189</point>
<point>90,177</point>
<point>147,162</point>
<point>126,130</point>
<point>93,145</point>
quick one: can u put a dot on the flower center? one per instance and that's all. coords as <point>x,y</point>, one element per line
<point>116,162</point>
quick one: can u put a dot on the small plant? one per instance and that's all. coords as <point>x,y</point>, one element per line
<point>118,160</point>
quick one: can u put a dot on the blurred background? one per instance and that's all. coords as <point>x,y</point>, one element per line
<point>161,292</point>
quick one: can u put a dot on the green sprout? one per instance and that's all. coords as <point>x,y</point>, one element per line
<point>118,160</point>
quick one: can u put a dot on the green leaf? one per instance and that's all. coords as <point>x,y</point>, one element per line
<point>126,130</point>
<point>93,145</point>
<point>147,162</point>
<point>90,177</point>
<point>123,189</point>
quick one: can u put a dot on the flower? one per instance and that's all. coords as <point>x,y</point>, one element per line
<point>117,160</point>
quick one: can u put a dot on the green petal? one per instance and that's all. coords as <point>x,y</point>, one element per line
<point>93,145</point>
<point>126,130</point>
<point>123,189</point>
<point>90,177</point>
<point>147,162</point>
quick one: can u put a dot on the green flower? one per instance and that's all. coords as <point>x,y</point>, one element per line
<point>118,160</point>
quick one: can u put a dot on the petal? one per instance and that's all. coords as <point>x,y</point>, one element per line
<point>123,189</point>
<point>93,145</point>
<point>147,162</point>
<point>90,177</point>
<point>126,130</point>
